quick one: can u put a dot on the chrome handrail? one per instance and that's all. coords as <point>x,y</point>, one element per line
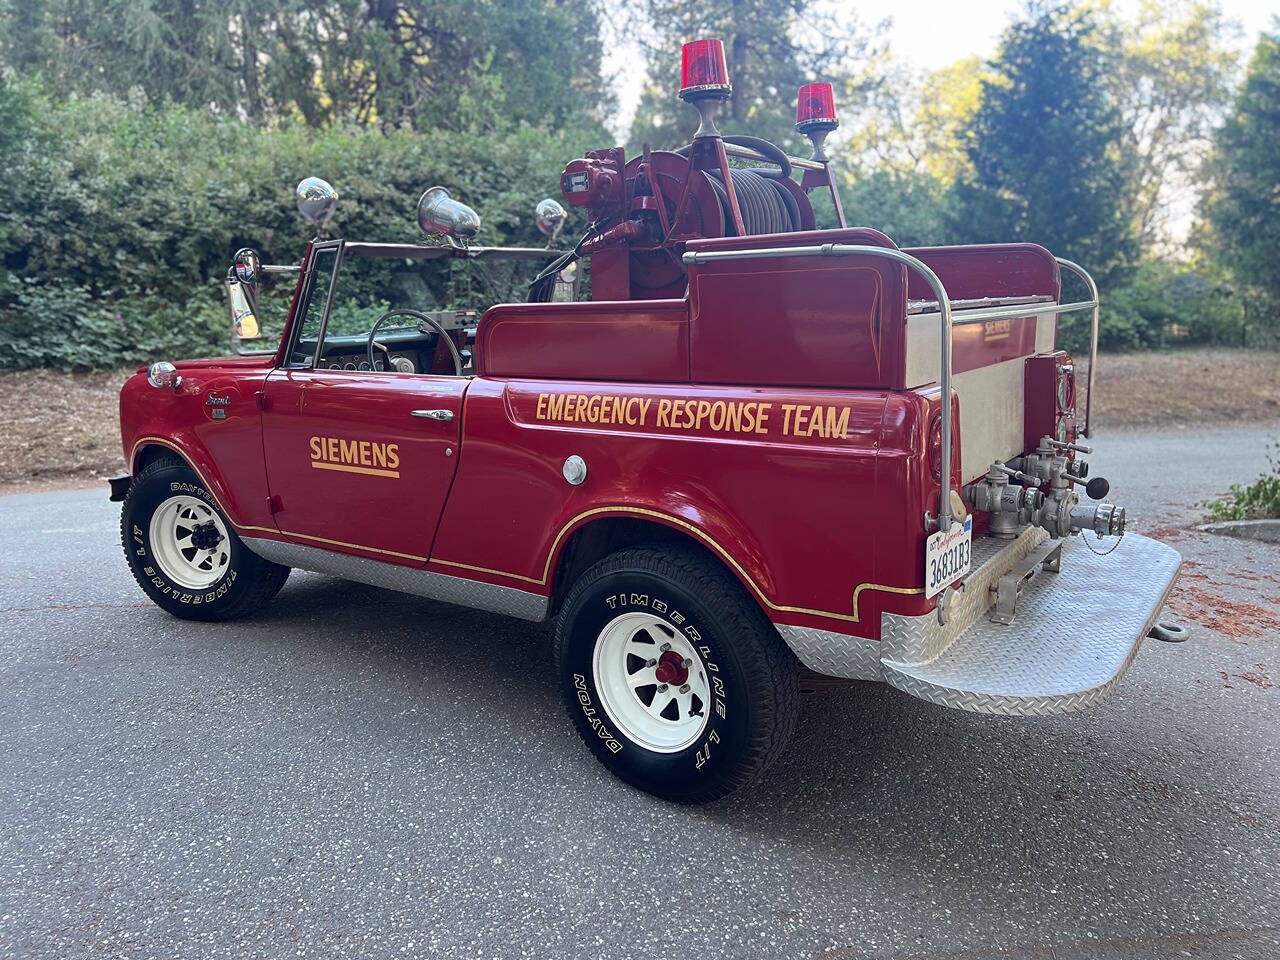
<point>1083,274</point>
<point>944,314</point>
<point>946,319</point>
<point>747,153</point>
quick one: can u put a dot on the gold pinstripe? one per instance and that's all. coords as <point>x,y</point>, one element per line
<point>685,525</point>
<point>241,526</point>
<point>546,567</point>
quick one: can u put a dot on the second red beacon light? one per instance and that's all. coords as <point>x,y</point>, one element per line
<point>704,75</point>
<point>816,108</point>
<point>816,115</point>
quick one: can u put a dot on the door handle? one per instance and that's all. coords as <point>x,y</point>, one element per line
<point>442,415</point>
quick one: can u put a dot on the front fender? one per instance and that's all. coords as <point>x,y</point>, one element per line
<point>212,421</point>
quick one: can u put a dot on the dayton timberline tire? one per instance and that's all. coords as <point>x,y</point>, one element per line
<point>235,587</point>
<point>697,606</point>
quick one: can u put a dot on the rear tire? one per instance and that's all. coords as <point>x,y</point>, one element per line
<point>183,551</point>
<point>672,674</point>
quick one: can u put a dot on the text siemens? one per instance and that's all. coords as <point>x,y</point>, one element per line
<point>355,456</point>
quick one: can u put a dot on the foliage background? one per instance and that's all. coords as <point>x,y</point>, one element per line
<point>142,144</point>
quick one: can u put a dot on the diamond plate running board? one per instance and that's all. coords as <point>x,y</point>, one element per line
<point>1076,634</point>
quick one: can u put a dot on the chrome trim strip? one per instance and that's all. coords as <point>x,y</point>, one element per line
<point>1014,310</point>
<point>417,251</point>
<point>392,576</point>
<point>915,307</point>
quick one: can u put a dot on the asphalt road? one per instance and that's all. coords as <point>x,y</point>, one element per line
<point>355,773</point>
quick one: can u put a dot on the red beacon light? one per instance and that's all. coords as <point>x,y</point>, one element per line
<point>816,108</point>
<point>704,75</point>
<point>704,81</point>
<point>816,115</point>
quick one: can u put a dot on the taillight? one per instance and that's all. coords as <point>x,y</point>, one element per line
<point>1065,430</point>
<point>1065,394</point>
<point>1066,389</point>
<point>935,447</point>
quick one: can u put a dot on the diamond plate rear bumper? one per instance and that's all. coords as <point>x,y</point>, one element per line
<point>1075,635</point>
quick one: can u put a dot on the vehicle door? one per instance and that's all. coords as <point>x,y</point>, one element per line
<point>358,460</point>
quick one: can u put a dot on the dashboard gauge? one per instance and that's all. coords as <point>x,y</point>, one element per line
<point>364,365</point>
<point>349,365</point>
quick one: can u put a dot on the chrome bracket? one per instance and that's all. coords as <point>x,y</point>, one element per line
<point>946,600</point>
<point>1047,558</point>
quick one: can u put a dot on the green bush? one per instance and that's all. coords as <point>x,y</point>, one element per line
<point>1163,304</point>
<point>123,218</point>
<point>1259,500</point>
<point>64,325</point>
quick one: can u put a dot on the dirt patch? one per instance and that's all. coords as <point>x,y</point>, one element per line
<point>61,428</point>
<point>1183,387</point>
<point>1238,621</point>
<point>1258,676</point>
<point>1167,534</point>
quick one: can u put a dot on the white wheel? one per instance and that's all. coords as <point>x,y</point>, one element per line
<point>652,682</point>
<point>190,542</point>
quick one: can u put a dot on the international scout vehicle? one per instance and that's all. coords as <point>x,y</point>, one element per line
<point>758,451</point>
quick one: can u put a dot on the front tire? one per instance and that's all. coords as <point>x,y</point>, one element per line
<point>183,551</point>
<point>672,674</point>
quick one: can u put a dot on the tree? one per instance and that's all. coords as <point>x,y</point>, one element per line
<point>915,123</point>
<point>1046,147</point>
<point>1242,204</point>
<point>430,64</point>
<point>1172,81</point>
<point>772,47</point>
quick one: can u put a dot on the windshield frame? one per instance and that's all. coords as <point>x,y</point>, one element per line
<point>361,250</point>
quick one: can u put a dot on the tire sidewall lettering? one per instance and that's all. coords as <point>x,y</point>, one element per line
<point>605,601</point>
<point>140,554</point>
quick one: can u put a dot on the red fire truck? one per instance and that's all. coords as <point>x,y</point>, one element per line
<point>720,472</point>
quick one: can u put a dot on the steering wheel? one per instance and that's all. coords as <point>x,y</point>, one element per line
<point>421,318</point>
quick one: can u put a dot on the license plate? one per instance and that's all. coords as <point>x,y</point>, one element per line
<point>947,556</point>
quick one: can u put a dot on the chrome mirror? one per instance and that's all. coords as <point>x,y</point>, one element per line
<point>549,216</point>
<point>317,201</point>
<point>443,216</point>
<point>244,320</point>
<point>247,266</point>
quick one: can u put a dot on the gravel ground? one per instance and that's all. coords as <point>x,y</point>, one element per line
<point>355,773</point>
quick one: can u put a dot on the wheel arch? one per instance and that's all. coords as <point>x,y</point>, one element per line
<point>599,536</point>
<point>148,449</point>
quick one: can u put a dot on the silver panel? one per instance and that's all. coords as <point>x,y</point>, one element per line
<point>921,639</point>
<point>834,654</point>
<point>423,583</point>
<point>1076,635</point>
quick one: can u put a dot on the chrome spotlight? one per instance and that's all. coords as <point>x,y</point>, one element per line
<point>440,214</point>
<point>549,216</point>
<point>316,200</point>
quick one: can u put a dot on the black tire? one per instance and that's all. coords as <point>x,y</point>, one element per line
<point>247,582</point>
<point>754,697</point>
